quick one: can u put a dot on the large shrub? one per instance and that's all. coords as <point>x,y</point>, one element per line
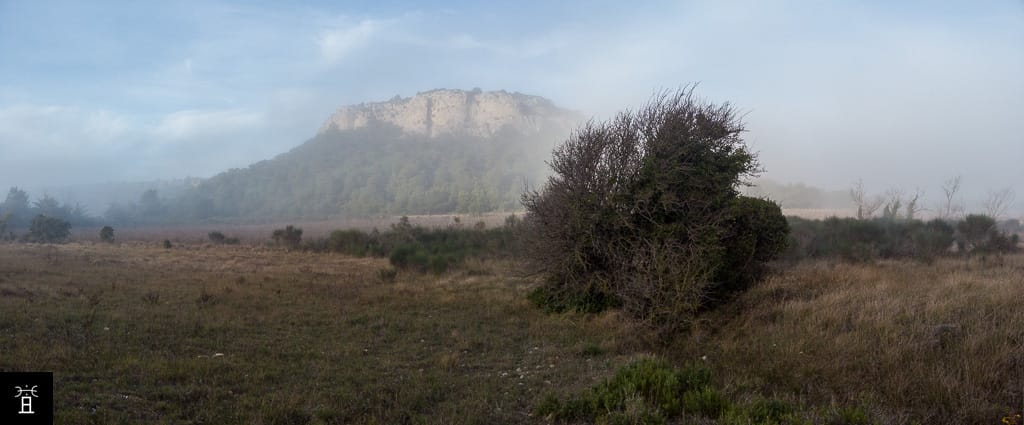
<point>644,208</point>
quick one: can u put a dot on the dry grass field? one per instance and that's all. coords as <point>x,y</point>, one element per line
<point>136,333</point>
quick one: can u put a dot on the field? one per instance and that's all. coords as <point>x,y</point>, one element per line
<point>136,333</point>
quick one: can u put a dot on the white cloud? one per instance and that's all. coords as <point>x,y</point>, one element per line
<point>336,44</point>
<point>190,124</point>
<point>61,127</point>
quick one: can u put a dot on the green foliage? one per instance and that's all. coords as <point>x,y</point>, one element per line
<point>48,230</point>
<point>420,249</point>
<point>167,244</point>
<point>556,300</point>
<point>980,234</point>
<point>107,234</point>
<point>664,390</point>
<point>705,402</point>
<point>644,209</point>
<point>756,233</point>
<point>289,237</point>
<point>850,416</point>
<point>868,240</point>
<point>769,411</point>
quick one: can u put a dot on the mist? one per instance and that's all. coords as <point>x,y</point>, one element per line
<point>896,96</point>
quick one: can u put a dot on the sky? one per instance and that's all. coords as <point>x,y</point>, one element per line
<point>896,94</point>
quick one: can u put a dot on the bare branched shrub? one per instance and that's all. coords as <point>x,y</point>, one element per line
<point>998,202</point>
<point>951,207</point>
<point>913,206</point>
<point>638,209</point>
<point>866,206</point>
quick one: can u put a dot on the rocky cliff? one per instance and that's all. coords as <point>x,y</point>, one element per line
<point>457,112</point>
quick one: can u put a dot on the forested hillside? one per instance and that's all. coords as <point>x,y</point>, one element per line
<point>377,169</point>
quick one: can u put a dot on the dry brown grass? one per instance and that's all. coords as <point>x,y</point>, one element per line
<point>939,343</point>
<point>131,331</point>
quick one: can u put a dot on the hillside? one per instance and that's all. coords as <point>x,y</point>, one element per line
<point>440,151</point>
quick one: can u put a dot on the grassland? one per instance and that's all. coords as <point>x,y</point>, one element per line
<point>136,333</point>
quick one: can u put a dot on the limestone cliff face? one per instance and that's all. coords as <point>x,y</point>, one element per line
<point>441,112</point>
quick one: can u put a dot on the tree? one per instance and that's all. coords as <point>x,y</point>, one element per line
<point>893,204</point>
<point>50,207</point>
<point>951,207</point>
<point>4,217</point>
<point>914,205</point>
<point>46,229</point>
<point>998,202</point>
<point>866,206</point>
<point>17,205</point>
<point>150,205</point>
<point>642,210</point>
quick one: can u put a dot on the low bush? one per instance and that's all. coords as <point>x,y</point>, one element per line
<point>425,250</point>
<point>653,382</point>
<point>289,237</point>
<point>981,234</point>
<point>107,234</point>
<point>651,391</point>
<point>219,239</point>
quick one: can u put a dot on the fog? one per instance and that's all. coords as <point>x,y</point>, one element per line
<point>898,96</point>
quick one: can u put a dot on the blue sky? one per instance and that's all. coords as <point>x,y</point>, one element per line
<point>898,95</point>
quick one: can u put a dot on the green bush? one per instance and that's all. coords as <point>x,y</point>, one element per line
<point>107,234</point>
<point>705,402</point>
<point>756,233</point>
<point>661,388</point>
<point>48,230</point>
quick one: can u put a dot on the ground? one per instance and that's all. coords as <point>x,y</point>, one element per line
<point>136,333</point>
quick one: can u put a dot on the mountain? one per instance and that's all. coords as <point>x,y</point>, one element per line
<point>443,113</point>
<point>440,151</point>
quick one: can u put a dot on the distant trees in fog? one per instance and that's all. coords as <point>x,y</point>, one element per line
<point>896,204</point>
<point>19,212</point>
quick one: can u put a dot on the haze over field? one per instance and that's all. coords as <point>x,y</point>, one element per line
<point>901,95</point>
